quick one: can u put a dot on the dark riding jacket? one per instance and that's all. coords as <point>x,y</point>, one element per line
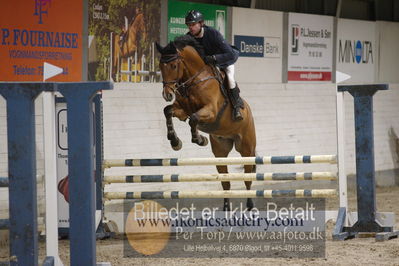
<point>214,44</point>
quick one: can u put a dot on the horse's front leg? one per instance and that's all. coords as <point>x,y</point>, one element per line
<point>118,69</point>
<point>195,136</point>
<point>204,115</point>
<point>170,111</point>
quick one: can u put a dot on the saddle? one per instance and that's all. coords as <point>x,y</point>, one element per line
<point>221,76</point>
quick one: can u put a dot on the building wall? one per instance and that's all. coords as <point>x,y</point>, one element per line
<point>388,55</point>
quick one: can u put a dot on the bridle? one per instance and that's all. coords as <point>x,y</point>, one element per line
<point>180,87</point>
<point>167,58</point>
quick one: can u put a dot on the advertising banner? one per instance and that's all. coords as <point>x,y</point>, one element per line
<point>258,36</point>
<point>62,164</point>
<point>34,32</point>
<point>356,49</point>
<point>310,48</point>
<point>250,46</point>
<point>215,16</point>
<point>122,40</point>
<point>257,46</point>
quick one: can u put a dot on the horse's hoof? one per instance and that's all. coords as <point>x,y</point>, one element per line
<point>226,207</point>
<point>250,204</point>
<point>178,146</point>
<point>204,141</point>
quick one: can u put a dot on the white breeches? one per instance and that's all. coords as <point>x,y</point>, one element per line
<point>126,24</point>
<point>230,76</point>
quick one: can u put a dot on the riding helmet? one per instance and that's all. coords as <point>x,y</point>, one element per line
<point>194,16</point>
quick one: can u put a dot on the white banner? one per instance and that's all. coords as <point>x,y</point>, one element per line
<point>258,35</point>
<point>310,47</point>
<point>356,49</point>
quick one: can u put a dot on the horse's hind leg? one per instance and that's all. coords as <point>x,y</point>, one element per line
<point>221,147</point>
<point>248,184</point>
<point>246,147</point>
<point>175,142</point>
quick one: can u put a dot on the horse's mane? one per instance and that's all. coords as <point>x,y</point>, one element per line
<point>184,40</point>
<point>179,43</point>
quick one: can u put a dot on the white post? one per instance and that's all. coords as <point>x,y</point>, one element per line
<point>129,68</point>
<point>50,165</point>
<point>143,62</point>
<point>153,78</point>
<point>50,173</point>
<point>342,181</point>
<point>343,190</point>
<point>111,56</point>
<point>142,68</point>
<point>135,66</point>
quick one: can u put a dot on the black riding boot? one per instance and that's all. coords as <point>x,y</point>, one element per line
<point>236,102</point>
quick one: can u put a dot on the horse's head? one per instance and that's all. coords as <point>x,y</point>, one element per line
<point>171,69</point>
<point>140,26</point>
<point>174,60</point>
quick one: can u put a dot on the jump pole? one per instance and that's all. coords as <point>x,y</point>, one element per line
<point>220,194</point>
<point>295,159</point>
<point>221,177</point>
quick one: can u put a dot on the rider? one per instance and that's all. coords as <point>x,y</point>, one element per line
<point>218,52</point>
<point>125,27</point>
<point>124,30</point>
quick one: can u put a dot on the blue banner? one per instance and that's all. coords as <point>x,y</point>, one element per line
<point>250,46</point>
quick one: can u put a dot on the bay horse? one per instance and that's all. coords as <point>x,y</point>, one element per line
<point>198,90</point>
<point>123,49</point>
